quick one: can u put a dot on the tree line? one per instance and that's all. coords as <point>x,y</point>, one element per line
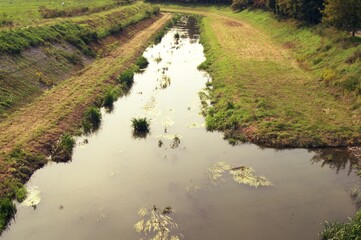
<point>343,14</point>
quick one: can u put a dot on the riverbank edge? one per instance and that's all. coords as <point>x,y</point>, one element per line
<point>31,156</point>
<point>241,133</point>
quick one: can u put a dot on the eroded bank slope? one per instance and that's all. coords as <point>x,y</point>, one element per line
<point>35,128</point>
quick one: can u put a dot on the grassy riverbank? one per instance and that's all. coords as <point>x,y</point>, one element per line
<point>34,59</point>
<point>30,134</point>
<point>273,88</point>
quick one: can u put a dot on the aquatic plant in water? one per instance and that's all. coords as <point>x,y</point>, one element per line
<point>142,62</point>
<point>246,175</point>
<point>140,127</point>
<point>165,82</point>
<point>63,150</point>
<point>33,197</point>
<point>243,175</point>
<point>175,142</point>
<point>216,171</point>
<point>157,224</point>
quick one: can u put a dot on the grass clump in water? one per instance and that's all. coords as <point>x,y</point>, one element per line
<point>92,119</point>
<point>343,231</point>
<point>21,194</point>
<point>140,127</point>
<point>142,63</point>
<point>64,148</point>
<point>7,212</point>
<point>110,97</point>
<point>126,78</point>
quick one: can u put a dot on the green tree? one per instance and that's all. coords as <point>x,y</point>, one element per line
<point>310,10</point>
<point>343,14</point>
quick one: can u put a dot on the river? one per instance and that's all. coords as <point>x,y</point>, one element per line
<point>181,181</point>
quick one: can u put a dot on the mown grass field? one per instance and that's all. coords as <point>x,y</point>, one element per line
<point>34,59</point>
<point>27,12</point>
<point>264,88</point>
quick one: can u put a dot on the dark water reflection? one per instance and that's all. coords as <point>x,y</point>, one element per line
<point>337,159</point>
<point>115,181</point>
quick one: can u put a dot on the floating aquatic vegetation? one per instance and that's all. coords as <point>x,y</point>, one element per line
<point>167,122</point>
<point>164,82</point>
<point>157,224</point>
<point>243,175</point>
<point>158,59</point>
<point>205,101</point>
<point>175,143</point>
<point>33,197</point>
<point>246,175</point>
<point>196,125</point>
<point>168,136</point>
<point>152,108</point>
<point>216,171</point>
<point>355,194</point>
<point>150,105</point>
<point>192,188</point>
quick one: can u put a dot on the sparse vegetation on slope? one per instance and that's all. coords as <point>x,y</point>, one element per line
<point>20,12</point>
<point>51,53</point>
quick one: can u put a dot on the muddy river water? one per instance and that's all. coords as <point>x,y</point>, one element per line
<point>181,182</point>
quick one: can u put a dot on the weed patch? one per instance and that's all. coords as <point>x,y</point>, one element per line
<point>343,231</point>
<point>126,78</point>
<point>142,63</point>
<point>7,212</point>
<point>63,149</point>
<point>92,119</point>
<point>140,127</point>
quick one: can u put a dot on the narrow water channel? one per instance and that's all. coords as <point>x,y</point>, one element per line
<point>180,177</point>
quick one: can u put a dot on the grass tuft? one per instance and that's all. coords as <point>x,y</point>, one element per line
<point>21,194</point>
<point>7,212</point>
<point>92,119</point>
<point>126,78</point>
<point>140,127</point>
<point>110,97</point>
<point>64,148</point>
<point>343,231</point>
<point>142,63</point>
